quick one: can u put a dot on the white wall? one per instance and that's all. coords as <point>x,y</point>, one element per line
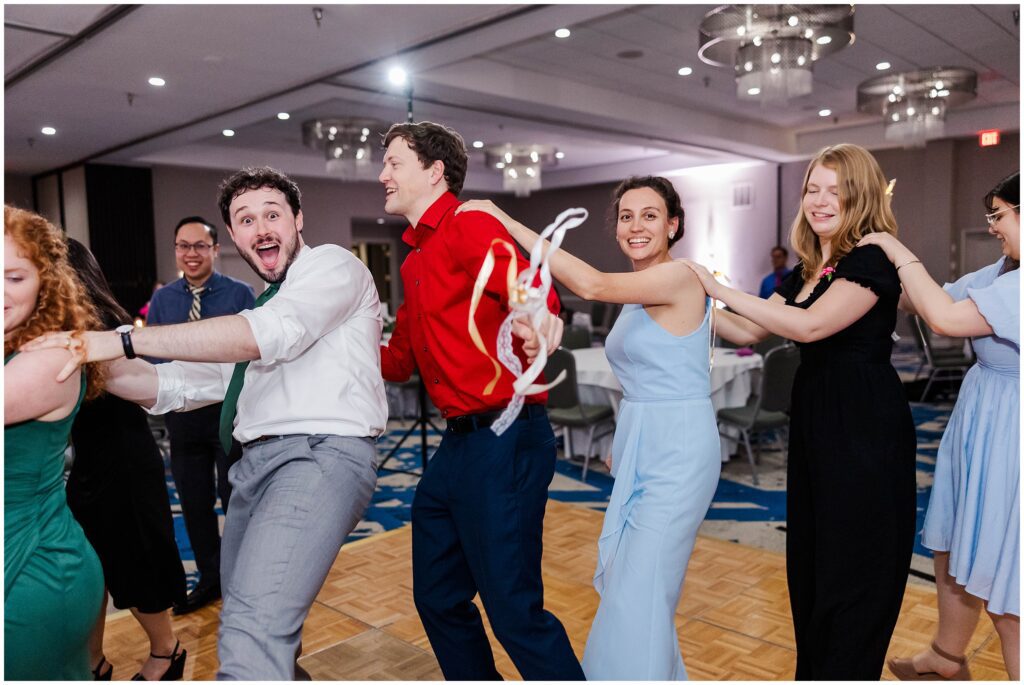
<point>734,241</point>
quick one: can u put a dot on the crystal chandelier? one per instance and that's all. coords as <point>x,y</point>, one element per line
<point>520,165</point>
<point>913,104</point>
<point>772,48</point>
<point>348,145</point>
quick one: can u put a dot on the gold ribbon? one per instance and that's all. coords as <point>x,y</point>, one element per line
<point>478,291</point>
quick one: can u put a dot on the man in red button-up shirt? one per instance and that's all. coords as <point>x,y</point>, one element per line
<point>478,513</point>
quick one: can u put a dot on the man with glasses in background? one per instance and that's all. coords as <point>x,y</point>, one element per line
<point>201,293</point>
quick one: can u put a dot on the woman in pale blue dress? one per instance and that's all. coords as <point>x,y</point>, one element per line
<point>665,455</point>
<point>973,520</point>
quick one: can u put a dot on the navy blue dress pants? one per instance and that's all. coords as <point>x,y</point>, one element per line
<point>477,520</point>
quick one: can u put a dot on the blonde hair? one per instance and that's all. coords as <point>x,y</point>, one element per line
<point>62,303</point>
<point>864,206</point>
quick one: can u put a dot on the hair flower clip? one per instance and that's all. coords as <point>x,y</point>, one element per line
<point>826,273</point>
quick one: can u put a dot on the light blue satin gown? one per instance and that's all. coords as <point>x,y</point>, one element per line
<point>666,463</point>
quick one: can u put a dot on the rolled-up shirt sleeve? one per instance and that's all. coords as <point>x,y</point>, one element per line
<point>326,292</point>
<point>184,386</point>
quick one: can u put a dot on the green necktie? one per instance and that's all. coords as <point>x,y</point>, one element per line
<point>230,406</point>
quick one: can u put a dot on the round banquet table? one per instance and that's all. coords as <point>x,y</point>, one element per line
<point>733,378</point>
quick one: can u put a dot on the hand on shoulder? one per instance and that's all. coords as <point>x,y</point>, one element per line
<point>702,274</point>
<point>884,241</point>
<point>35,373</point>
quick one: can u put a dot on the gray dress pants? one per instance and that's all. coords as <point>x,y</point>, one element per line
<point>294,500</point>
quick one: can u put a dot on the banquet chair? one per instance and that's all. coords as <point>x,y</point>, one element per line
<point>769,409</point>
<point>567,411</point>
<point>576,338</point>
<point>946,364</point>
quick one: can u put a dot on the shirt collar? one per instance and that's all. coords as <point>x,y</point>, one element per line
<point>211,283</point>
<point>431,219</point>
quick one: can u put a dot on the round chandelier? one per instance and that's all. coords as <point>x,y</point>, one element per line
<point>520,165</point>
<point>348,145</point>
<point>772,48</point>
<point>913,104</point>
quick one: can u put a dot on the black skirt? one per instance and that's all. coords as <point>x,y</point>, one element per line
<point>117,491</point>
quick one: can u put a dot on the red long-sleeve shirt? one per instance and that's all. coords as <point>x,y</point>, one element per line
<point>431,329</point>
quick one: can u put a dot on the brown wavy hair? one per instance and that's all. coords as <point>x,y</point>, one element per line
<point>864,205</point>
<point>62,303</point>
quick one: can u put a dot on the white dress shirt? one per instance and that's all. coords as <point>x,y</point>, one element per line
<point>319,365</point>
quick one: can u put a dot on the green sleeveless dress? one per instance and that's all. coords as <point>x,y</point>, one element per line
<point>53,581</point>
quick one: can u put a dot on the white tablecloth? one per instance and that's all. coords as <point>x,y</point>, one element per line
<point>733,378</point>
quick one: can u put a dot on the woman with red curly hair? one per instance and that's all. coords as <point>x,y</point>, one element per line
<point>53,581</point>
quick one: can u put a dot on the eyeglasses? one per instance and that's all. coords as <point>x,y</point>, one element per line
<point>200,248</point>
<point>994,216</point>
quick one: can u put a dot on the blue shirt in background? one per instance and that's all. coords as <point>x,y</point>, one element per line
<point>222,295</point>
<point>773,281</point>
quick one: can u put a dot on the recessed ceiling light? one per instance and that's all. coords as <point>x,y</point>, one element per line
<point>284,116</point>
<point>156,81</point>
<point>228,132</point>
<point>824,112</point>
<point>499,165</point>
<point>685,71</point>
<point>478,144</point>
<point>753,91</point>
<point>380,221</point>
<point>563,33</point>
<point>397,76</point>
<point>48,130</point>
<point>882,66</point>
<point>793,21</point>
<point>559,155</point>
<point>823,40</point>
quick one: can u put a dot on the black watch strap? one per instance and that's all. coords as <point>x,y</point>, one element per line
<point>126,343</point>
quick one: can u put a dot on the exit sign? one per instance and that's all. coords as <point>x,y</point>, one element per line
<point>988,138</point>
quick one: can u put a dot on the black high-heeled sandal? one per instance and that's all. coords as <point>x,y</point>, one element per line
<point>99,674</point>
<point>177,667</point>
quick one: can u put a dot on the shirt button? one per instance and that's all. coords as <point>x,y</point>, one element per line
<point>419,250</point>
<point>425,349</point>
<point>444,413</point>
<point>436,381</point>
<point>417,281</point>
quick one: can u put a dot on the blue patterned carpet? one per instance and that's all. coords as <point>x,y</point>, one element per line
<point>740,511</point>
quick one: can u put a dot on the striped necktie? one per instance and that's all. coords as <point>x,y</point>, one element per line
<point>229,409</point>
<point>195,310</point>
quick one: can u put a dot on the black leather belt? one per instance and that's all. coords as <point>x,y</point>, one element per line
<point>262,438</point>
<point>474,422</point>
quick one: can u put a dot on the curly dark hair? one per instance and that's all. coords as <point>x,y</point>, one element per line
<point>255,178</point>
<point>663,187</point>
<point>62,303</point>
<point>432,142</point>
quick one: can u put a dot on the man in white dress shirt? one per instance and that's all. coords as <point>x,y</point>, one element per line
<point>309,407</point>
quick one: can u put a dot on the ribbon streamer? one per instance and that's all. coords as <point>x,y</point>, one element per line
<point>525,301</point>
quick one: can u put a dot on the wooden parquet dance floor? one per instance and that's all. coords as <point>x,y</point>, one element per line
<point>733,619</point>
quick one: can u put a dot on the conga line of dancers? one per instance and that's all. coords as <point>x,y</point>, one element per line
<point>301,377</point>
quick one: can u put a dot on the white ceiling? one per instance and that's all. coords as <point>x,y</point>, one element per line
<point>493,72</point>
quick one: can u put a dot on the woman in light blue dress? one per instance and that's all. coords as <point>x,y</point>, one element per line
<point>973,519</point>
<point>665,455</point>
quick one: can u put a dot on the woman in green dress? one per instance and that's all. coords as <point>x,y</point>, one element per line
<point>53,582</point>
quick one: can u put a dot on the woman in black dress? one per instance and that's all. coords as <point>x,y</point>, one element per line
<point>118,493</point>
<point>851,492</point>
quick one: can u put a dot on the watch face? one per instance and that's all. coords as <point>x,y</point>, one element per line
<point>124,328</point>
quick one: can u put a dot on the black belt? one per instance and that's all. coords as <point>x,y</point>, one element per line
<point>473,422</point>
<point>262,438</point>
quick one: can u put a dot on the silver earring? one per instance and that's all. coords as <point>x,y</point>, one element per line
<point>671,236</point>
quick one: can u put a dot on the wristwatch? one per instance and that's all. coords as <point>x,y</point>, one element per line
<point>125,332</point>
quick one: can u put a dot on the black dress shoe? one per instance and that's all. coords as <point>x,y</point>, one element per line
<point>197,599</point>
